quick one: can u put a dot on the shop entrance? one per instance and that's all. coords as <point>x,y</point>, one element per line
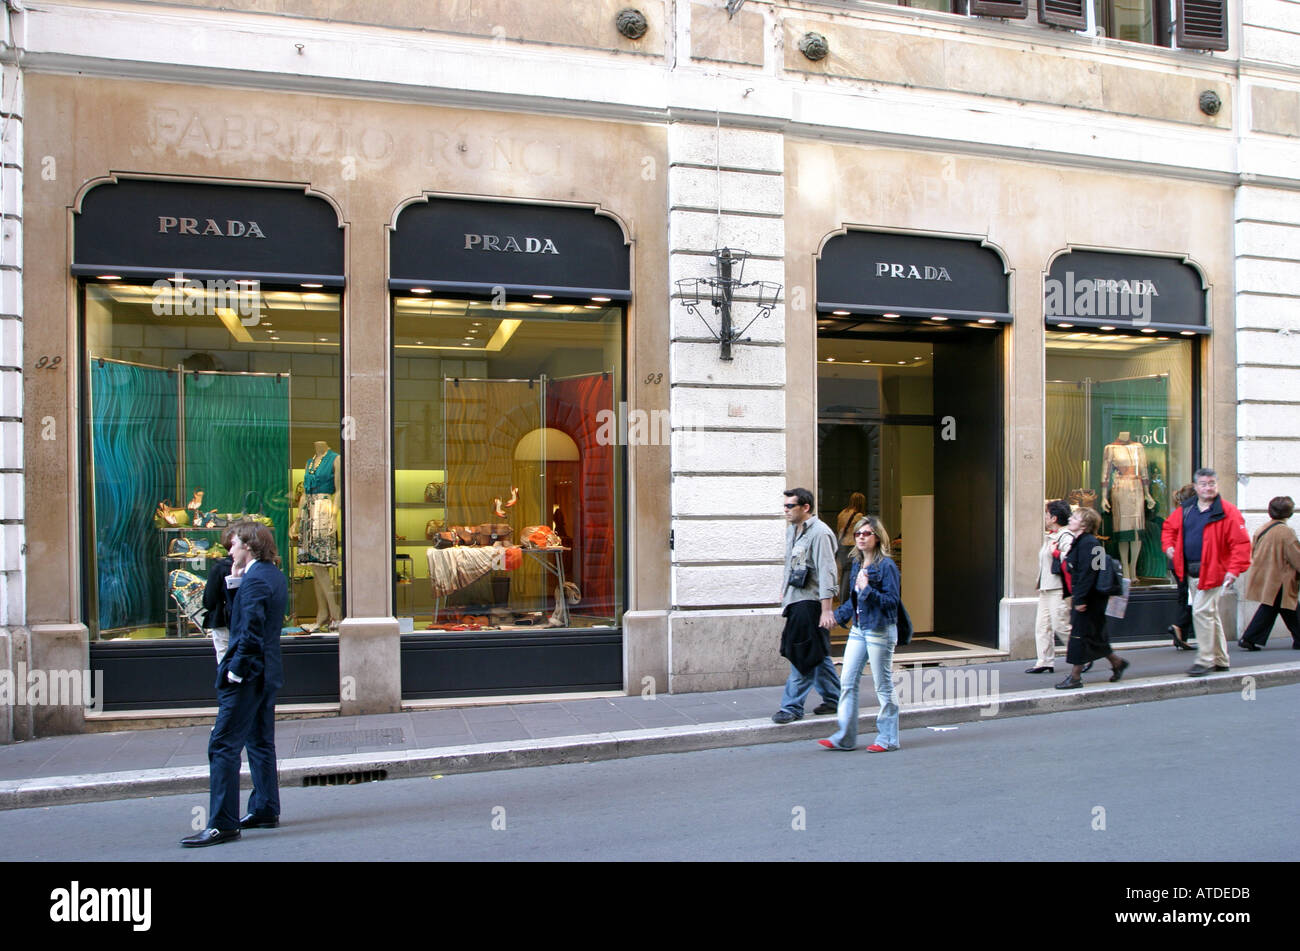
<point>910,418</point>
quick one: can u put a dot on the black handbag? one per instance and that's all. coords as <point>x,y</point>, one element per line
<point>904,625</point>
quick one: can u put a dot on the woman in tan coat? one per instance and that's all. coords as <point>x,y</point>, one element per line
<point>1274,577</point>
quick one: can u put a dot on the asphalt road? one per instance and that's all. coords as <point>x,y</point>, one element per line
<point>1203,778</point>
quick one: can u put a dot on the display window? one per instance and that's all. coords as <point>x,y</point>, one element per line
<point>508,503</point>
<point>1122,436</point>
<point>208,401</point>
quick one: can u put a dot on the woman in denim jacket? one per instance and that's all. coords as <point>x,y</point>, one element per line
<point>873,606</point>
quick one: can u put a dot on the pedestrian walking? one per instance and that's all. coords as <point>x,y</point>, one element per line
<point>849,516</point>
<point>1274,579</point>
<point>808,585</point>
<point>1181,629</point>
<point>1053,618</point>
<point>872,609</point>
<point>248,677</point>
<point>1206,540</point>
<point>1088,639</point>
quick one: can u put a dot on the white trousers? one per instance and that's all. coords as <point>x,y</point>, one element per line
<point>1211,640</point>
<point>1053,618</point>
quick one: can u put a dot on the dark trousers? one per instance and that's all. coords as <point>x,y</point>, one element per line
<point>245,718</point>
<point>1184,618</point>
<point>1261,625</point>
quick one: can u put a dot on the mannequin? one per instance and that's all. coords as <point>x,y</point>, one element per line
<point>316,533</point>
<point>1124,474</point>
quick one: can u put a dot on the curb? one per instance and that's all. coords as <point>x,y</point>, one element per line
<point>551,751</point>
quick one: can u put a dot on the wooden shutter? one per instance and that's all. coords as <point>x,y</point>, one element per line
<point>1010,9</point>
<point>1070,13</point>
<point>1202,24</point>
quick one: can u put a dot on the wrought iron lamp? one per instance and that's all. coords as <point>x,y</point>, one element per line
<point>721,292</point>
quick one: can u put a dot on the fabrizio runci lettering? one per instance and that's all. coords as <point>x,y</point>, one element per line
<point>78,904</point>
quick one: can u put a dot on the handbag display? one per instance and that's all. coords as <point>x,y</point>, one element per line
<point>435,493</point>
<point>432,527</point>
<point>540,536</point>
<point>167,515</point>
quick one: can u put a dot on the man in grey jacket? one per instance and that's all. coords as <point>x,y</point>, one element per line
<point>810,552</point>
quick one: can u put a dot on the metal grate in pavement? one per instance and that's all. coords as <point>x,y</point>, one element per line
<point>323,742</point>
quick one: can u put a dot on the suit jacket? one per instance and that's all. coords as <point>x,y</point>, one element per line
<point>1274,565</point>
<point>256,618</point>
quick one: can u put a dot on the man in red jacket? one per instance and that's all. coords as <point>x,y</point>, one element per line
<point>1207,542</point>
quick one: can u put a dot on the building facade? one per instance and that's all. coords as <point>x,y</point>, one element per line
<point>379,274</point>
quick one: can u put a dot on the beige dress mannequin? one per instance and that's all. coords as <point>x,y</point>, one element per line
<point>315,530</point>
<point>1124,474</point>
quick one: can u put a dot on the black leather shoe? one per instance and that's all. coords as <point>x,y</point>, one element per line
<point>251,821</point>
<point>785,716</point>
<point>210,837</point>
<point>1118,672</point>
<point>1196,670</point>
<point>1247,646</point>
<point>1069,683</point>
<point>1041,670</point>
<point>1217,667</point>
<point>1179,643</point>
<point>826,707</point>
<point>1086,667</point>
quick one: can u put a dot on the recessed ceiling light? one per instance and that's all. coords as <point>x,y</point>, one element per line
<point>866,361</point>
<point>274,337</point>
<point>421,290</point>
<point>108,277</point>
<point>247,283</point>
<point>477,324</point>
<point>1187,333</point>
<point>840,313</point>
<point>603,300</point>
<point>902,363</point>
<point>464,344</point>
<point>1148,330</point>
<point>1065,326</point>
<point>987,320</point>
<point>938,318</point>
<point>312,286</point>
<point>543,296</point>
<point>1106,327</point>
<point>888,315</point>
<point>830,359</point>
<point>323,339</point>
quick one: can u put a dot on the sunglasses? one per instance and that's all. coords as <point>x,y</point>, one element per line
<point>864,533</point>
<point>790,505</point>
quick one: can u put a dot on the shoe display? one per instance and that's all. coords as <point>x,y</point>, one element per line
<point>826,707</point>
<point>1069,683</point>
<point>785,716</point>
<point>1118,672</point>
<point>1041,670</point>
<point>210,837</point>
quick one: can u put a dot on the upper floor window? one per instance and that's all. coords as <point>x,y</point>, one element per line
<point>1187,24</point>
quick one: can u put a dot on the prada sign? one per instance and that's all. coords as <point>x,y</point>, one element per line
<point>153,229</point>
<point>1103,288</point>
<point>467,246</point>
<point>871,273</point>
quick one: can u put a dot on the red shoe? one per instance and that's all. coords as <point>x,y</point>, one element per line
<point>877,748</point>
<point>827,743</point>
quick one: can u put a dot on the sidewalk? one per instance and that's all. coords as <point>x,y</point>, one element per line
<point>103,766</point>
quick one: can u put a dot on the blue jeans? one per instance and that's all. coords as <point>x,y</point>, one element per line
<point>878,648</point>
<point>797,686</point>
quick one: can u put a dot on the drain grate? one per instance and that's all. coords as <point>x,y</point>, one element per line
<point>323,742</point>
<point>346,779</point>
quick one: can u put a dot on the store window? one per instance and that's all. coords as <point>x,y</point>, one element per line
<point>508,423</point>
<point>211,371</point>
<point>507,484</point>
<point>193,411</point>
<point>1121,436</point>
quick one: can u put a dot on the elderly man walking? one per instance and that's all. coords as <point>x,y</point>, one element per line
<point>1207,542</point>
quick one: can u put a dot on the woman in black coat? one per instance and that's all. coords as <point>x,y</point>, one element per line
<point>217,597</point>
<point>1088,641</point>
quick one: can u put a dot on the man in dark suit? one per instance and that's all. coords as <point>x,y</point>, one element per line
<point>248,677</point>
